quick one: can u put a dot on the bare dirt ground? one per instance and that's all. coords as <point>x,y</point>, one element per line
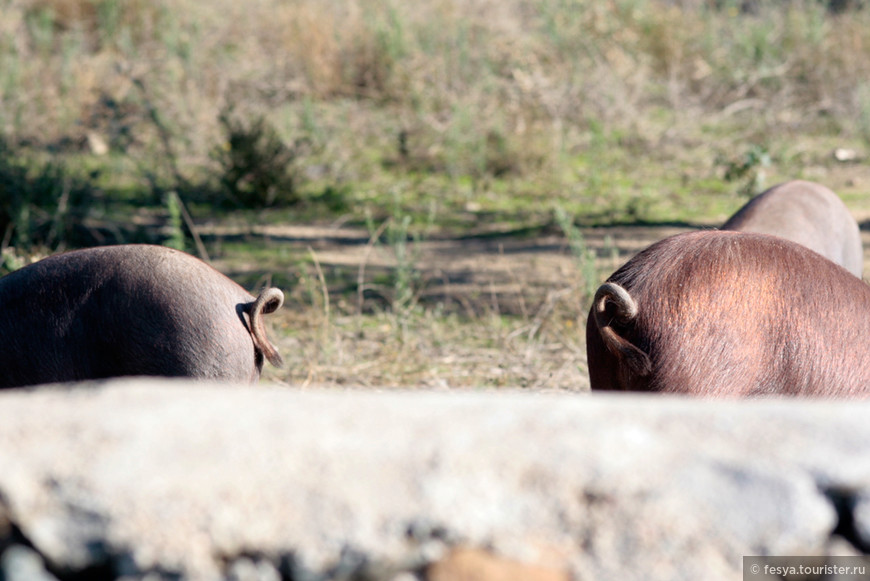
<point>498,269</point>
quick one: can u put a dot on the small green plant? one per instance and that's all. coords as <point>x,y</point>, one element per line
<point>406,275</point>
<point>863,98</point>
<point>583,255</point>
<point>465,150</point>
<point>370,68</point>
<point>257,167</point>
<point>41,204</point>
<point>175,225</point>
<point>611,250</point>
<point>748,170</point>
<point>9,261</point>
<point>405,281</point>
<point>40,24</point>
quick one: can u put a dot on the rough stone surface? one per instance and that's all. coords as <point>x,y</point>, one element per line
<point>161,480</point>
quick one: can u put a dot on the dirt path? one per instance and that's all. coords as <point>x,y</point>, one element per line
<point>467,272</point>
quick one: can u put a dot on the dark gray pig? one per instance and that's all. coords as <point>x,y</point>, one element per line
<point>809,214</point>
<point>130,310</point>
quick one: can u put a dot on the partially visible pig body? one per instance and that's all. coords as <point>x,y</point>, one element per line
<point>130,310</point>
<point>730,314</point>
<point>809,214</point>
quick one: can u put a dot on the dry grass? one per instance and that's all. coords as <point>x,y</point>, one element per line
<point>619,110</point>
<point>431,350</point>
<point>533,74</point>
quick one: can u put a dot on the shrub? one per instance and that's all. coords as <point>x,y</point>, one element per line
<point>257,167</point>
<point>41,204</point>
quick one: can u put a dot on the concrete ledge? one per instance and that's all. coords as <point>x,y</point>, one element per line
<point>144,479</point>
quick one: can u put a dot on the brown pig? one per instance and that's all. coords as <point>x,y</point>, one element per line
<point>130,310</point>
<point>728,314</point>
<point>807,213</point>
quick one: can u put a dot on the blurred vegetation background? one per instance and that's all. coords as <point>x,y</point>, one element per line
<point>148,121</point>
